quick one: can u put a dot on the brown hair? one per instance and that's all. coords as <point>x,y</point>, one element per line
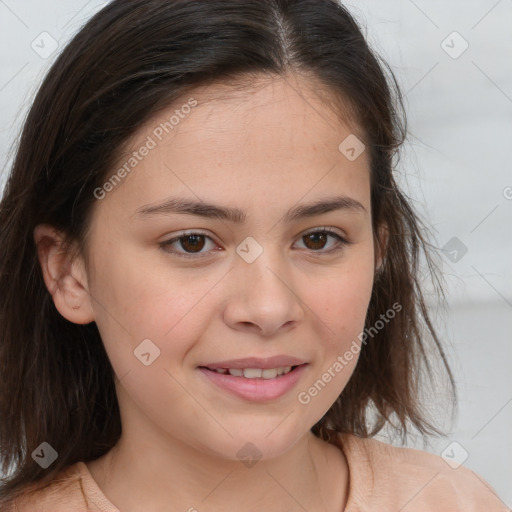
<point>129,61</point>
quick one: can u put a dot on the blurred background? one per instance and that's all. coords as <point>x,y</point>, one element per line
<point>453,61</point>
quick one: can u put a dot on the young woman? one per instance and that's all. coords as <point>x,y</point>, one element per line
<point>210,293</point>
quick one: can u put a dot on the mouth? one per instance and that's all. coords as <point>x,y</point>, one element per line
<point>253,383</point>
<point>283,362</point>
<point>254,373</point>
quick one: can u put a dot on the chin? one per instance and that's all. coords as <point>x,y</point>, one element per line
<point>253,443</point>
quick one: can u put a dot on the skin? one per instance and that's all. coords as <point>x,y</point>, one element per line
<point>263,149</point>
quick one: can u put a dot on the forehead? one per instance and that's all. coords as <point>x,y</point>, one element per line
<point>240,141</point>
<point>291,102</point>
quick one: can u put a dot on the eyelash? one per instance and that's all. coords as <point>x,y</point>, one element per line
<point>342,242</point>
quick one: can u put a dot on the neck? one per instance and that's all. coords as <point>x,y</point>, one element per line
<point>137,474</point>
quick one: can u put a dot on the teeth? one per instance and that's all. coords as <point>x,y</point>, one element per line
<point>252,373</point>
<point>256,373</point>
<point>269,373</point>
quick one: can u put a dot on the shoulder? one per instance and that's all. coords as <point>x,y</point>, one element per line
<point>64,494</point>
<point>397,478</point>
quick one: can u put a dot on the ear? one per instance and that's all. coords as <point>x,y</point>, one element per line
<point>64,275</point>
<point>381,244</point>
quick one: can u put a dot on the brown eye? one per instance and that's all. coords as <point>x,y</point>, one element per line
<point>317,241</point>
<point>188,245</point>
<point>192,243</point>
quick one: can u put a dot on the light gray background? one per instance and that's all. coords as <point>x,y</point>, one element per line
<point>457,164</point>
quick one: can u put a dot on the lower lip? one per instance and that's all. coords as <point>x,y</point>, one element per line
<point>256,390</point>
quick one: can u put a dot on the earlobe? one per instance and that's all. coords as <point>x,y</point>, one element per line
<point>64,275</point>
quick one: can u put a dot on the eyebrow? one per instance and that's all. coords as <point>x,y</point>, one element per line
<point>178,205</point>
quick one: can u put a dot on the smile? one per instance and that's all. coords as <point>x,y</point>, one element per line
<point>254,384</point>
<point>255,373</point>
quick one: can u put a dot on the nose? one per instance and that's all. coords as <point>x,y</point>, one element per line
<point>263,298</point>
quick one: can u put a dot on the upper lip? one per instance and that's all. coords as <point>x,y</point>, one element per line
<point>256,362</point>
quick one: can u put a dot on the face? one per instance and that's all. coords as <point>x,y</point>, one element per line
<point>181,293</point>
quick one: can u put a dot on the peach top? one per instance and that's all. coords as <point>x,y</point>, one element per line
<point>382,478</point>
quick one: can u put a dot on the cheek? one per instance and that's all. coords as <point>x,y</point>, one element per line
<point>341,300</point>
<point>341,303</point>
<point>152,323</point>
<point>135,302</point>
